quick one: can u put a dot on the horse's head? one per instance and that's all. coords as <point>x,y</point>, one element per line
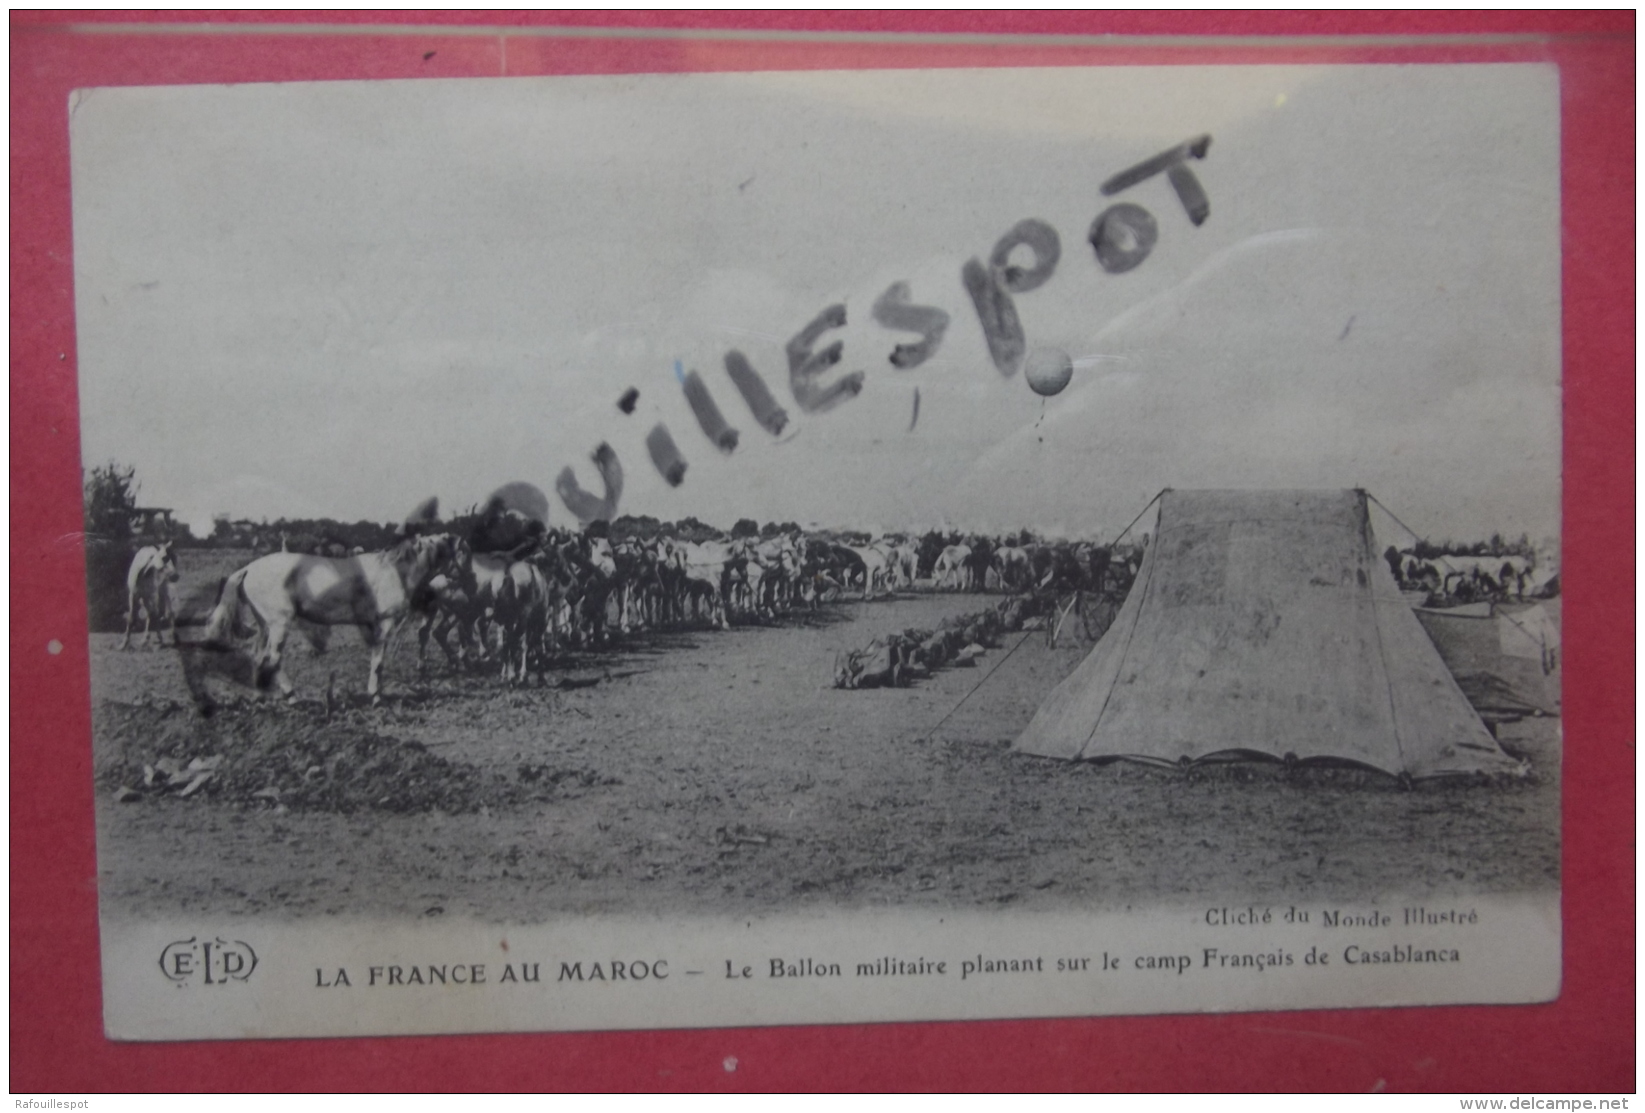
<point>562,562</point>
<point>461,555</point>
<point>166,561</point>
<point>601,556</point>
<point>431,554</point>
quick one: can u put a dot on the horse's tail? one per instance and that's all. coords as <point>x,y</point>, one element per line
<point>224,620</point>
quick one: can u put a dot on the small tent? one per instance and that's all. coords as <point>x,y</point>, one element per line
<point>1505,657</point>
<point>1265,624</point>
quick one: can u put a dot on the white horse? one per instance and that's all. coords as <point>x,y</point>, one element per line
<point>875,568</point>
<point>148,586</point>
<point>702,572</point>
<point>373,591</point>
<point>905,561</point>
<point>773,570</point>
<point>1015,567</point>
<point>953,569</point>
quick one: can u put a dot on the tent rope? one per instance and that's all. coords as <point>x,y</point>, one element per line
<point>1136,616</point>
<point>985,677</point>
<point>1163,491</point>
<point>980,682</point>
<point>1539,638</point>
<point>1371,556</point>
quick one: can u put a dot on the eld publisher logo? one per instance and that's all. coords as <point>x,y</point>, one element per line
<point>214,961</point>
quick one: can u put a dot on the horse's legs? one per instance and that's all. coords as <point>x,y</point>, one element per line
<point>442,634</point>
<point>131,617</point>
<point>377,637</point>
<point>425,624</point>
<point>550,616</point>
<point>272,657</point>
<point>510,633</point>
<point>374,677</point>
<point>429,625</point>
<point>539,629</point>
<point>487,633</point>
<point>524,638</point>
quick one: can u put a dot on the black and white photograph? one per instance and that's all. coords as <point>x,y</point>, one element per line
<point>805,547</point>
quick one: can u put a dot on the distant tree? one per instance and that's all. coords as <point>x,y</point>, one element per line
<point>745,527</point>
<point>1496,546</point>
<point>111,500</point>
<point>462,524</point>
<point>628,525</point>
<point>110,504</point>
<point>931,547</point>
<point>690,529</point>
<point>366,535</point>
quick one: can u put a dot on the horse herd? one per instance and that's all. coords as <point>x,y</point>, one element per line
<point>519,608</point>
<point>575,590</point>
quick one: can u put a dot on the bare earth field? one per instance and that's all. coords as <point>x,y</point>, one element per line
<point>721,773</point>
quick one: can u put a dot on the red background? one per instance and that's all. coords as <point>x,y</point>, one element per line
<point>1583,1042</point>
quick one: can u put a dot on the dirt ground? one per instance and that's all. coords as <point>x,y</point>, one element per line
<point>720,772</point>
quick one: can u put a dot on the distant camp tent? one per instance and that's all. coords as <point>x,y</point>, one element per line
<point>1265,624</point>
<point>1505,658</point>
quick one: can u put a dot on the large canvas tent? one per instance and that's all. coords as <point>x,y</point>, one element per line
<point>1264,624</point>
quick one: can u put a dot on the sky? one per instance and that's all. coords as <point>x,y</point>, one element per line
<point>338,299</point>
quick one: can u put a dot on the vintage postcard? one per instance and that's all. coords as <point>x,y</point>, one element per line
<point>810,547</point>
